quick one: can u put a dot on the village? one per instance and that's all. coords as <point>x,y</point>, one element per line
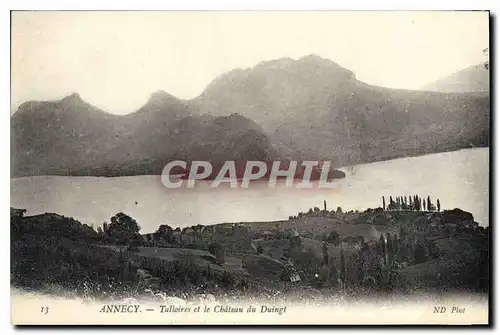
<point>325,236</point>
<point>391,248</point>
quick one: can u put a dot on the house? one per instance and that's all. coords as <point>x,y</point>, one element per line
<point>295,277</point>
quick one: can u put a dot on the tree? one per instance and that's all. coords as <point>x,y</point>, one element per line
<point>105,228</point>
<point>339,210</point>
<point>343,270</point>
<point>395,246</point>
<point>429,203</point>
<point>260,249</point>
<point>402,233</point>
<point>333,238</point>
<point>123,229</point>
<point>389,247</point>
<point>383,248</point>
<point>420,255</point>
<point>17,213</point>
<point>418,206</point>
<point>295,243</point>
<point>217,250</point>
<point>165,233</point>
<point>333,274</point>
<point>100,232</point>
<point>438,204</point>
<point>324,205</point>
<point>383,202</point>
<point>325,253</point>
<point>16,225</point>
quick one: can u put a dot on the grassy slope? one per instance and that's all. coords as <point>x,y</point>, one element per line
<point>321,225</point>
<point>458,264</point>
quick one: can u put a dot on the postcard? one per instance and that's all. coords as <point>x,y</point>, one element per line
<point>250,168</point>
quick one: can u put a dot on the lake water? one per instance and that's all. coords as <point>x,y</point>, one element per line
<point>460,179</point>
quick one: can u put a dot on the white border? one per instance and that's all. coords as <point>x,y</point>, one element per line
<point>7,5</point>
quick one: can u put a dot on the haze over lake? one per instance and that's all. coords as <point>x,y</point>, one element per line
<point>460,179</point>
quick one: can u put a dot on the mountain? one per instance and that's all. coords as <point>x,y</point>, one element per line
<point>71,137</point>
<point>275,91</point>
<point>472,79</point>
<point>312,108</point>
<point>305,109</point>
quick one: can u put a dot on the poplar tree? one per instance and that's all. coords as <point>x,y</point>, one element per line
<point>343,269</point>
<point>325,253</point>
<point>389,247</point>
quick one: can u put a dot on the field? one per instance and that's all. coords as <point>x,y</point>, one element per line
<point>320,225</point>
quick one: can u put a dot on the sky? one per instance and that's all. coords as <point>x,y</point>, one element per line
<point>115,60</point>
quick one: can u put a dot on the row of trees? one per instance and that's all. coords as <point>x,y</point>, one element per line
<point>124,230</point>
<point>316,211</point>
<point>411,203</point>
<point>375,263</point>
<point>406,248</point>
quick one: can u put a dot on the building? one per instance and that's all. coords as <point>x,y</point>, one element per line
<point>295,277</point>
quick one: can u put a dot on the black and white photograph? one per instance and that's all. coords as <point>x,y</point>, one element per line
<point>250,168</point>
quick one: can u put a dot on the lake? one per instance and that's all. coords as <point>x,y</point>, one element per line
<point>460,179</point>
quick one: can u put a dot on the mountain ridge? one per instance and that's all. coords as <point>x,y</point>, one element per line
<point>305,109</point>
<point>475,78</point>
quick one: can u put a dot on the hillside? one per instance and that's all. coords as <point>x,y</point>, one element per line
<point>71,137</point>
<point>472,79</point>
<point>402,251</point>
<point>463,262</point>
<point>306,109</point>
<point>312,108</point>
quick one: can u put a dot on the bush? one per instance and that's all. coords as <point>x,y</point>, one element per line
<point>420,254</point>
<point>102,272</point>
<point>260,249</point>
<point>52,225</point>
<point>37,261</point>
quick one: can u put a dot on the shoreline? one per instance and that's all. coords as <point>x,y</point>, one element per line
<point>339,168</point>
